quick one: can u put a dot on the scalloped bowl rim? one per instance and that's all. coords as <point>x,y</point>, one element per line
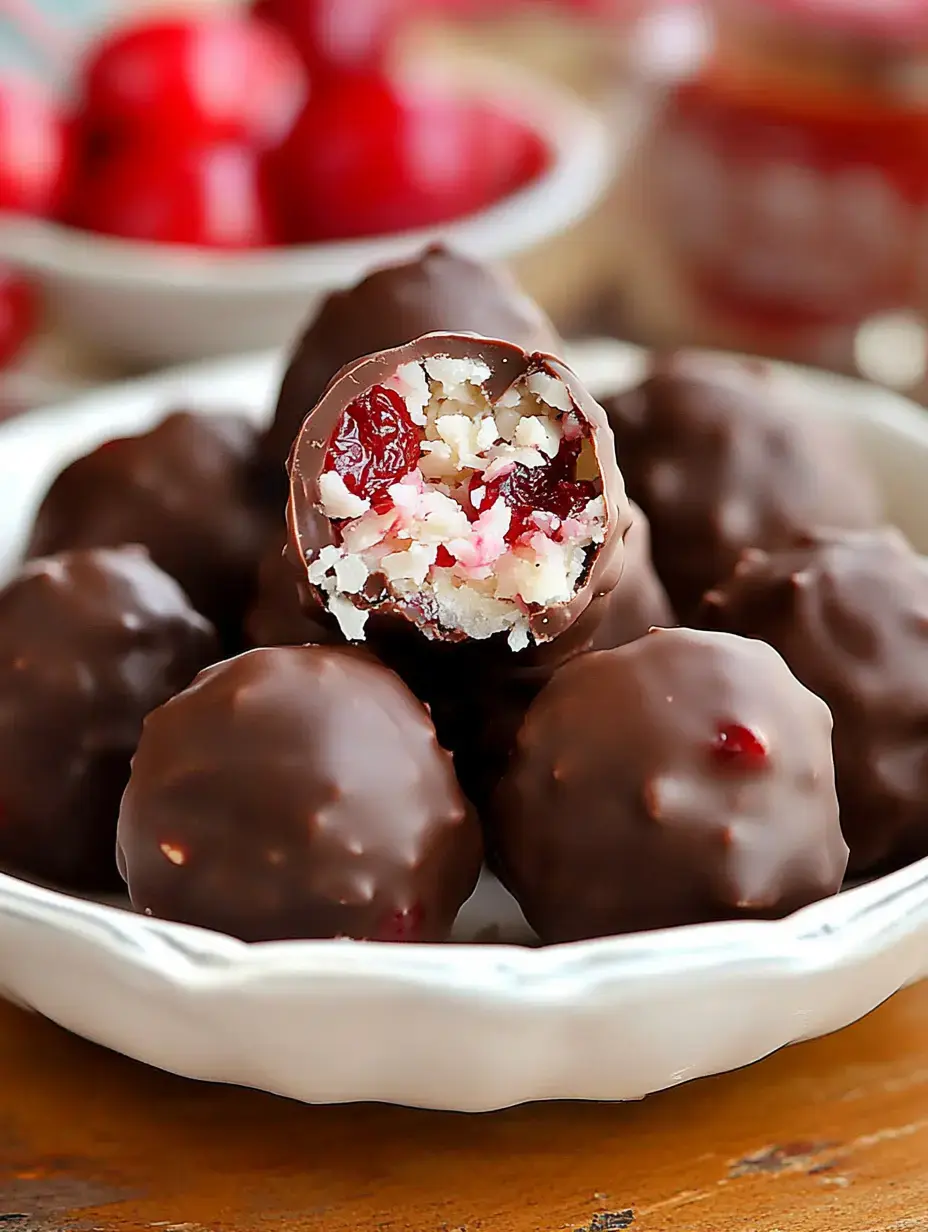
<point>582,156</point>
<point>818,936</point>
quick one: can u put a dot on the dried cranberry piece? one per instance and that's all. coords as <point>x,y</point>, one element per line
<point>552,488</point>
<point>443,558</point>
<point>739,746</point>
<point>405,925</point>
<point>375,443</point>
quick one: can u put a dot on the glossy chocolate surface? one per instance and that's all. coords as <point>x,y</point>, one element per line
<point>298,792</point>
<point>437,291</point>
<point>686,777</point>
<point>90,642</point>
<point>276,616</point>
<point>483,713</point>
<point>720,462</point>
<point>185,491</point>
<point>849,613</point>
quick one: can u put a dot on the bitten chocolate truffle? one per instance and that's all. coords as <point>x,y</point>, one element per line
<point>462,486</point>
<point>90,641</point>
<point>438,291</point>
<point>720,460</point>
<point>683,778</point>
<point>849,614</point>
<point>298,792</point>
<point>184,490</point>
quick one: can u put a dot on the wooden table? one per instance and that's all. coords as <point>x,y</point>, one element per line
<point>830,1136</point>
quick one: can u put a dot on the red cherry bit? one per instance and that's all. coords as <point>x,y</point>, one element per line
<point>374,444</point>
<point>739,747</point>
<point>405,925</point>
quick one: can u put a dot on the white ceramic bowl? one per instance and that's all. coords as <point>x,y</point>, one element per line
<point>153,304</point>
<point>465,1026</point>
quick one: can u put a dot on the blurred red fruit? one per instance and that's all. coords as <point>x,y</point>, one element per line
<point>513,155</point>
<point>218,77</point>
<point>19,314</point>
<point>367,158</point>
<point>207,195</point>
<point>34,150</point>
<point>337,36</point>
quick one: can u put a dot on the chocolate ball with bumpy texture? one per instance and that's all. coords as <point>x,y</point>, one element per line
<point>683,778</point>
<point>849,614</point>
<point>90,642</point>
<point>294,792</point>
<point>438,290</point>
<point>185,490</point>
<point>721,459</point>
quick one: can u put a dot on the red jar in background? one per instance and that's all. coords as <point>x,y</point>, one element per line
<point>780,193</point>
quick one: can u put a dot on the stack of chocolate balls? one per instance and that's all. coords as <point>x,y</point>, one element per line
<point>450,582</point>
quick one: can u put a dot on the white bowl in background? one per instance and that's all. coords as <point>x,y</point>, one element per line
<point>154,303</point>
<point>465,1026</point>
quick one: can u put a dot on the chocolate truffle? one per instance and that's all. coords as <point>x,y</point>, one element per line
<point>437,291</point>
<point>185,491</point>
<point>463,487</point>
<point>298,791</point>
<point>276,616</point>
<point>481,715</point>
<point>720,461</point>
<point>849,614</point>
<point>637,603</point>
<point>90,641</point>
<point>683,778</point>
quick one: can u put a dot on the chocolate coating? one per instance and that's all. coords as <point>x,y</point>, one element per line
<point>481,716</point>
<point>849,613</point>
<point>298,792</point>
<point>720,462</point>
<point>310,530</point>
<point>276,616</point>
<point>625,806</point>
<point>437,291</point>
<point>90,641</point>
<point>185,491</point>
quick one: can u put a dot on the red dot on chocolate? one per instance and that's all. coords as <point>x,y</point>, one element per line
<point>375,443</point>
<point>405,925</point>
<point>739,746</point>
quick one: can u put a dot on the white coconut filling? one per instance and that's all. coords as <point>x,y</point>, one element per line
<point>436,542</point>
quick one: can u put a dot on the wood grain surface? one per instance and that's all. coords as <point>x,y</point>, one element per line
<point>829,1136</point>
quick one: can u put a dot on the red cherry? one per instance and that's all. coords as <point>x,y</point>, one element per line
<point>739,746</point>
<point>212,196</point>
<point>513,155</point>
<point>338,36</point>
<point>375,443</point>
<point>552,488</point>
<point>365,158</point>
<point>403,925</point>
<point>35,153</point>
<point>19,314</point>
<point>218,77</point>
